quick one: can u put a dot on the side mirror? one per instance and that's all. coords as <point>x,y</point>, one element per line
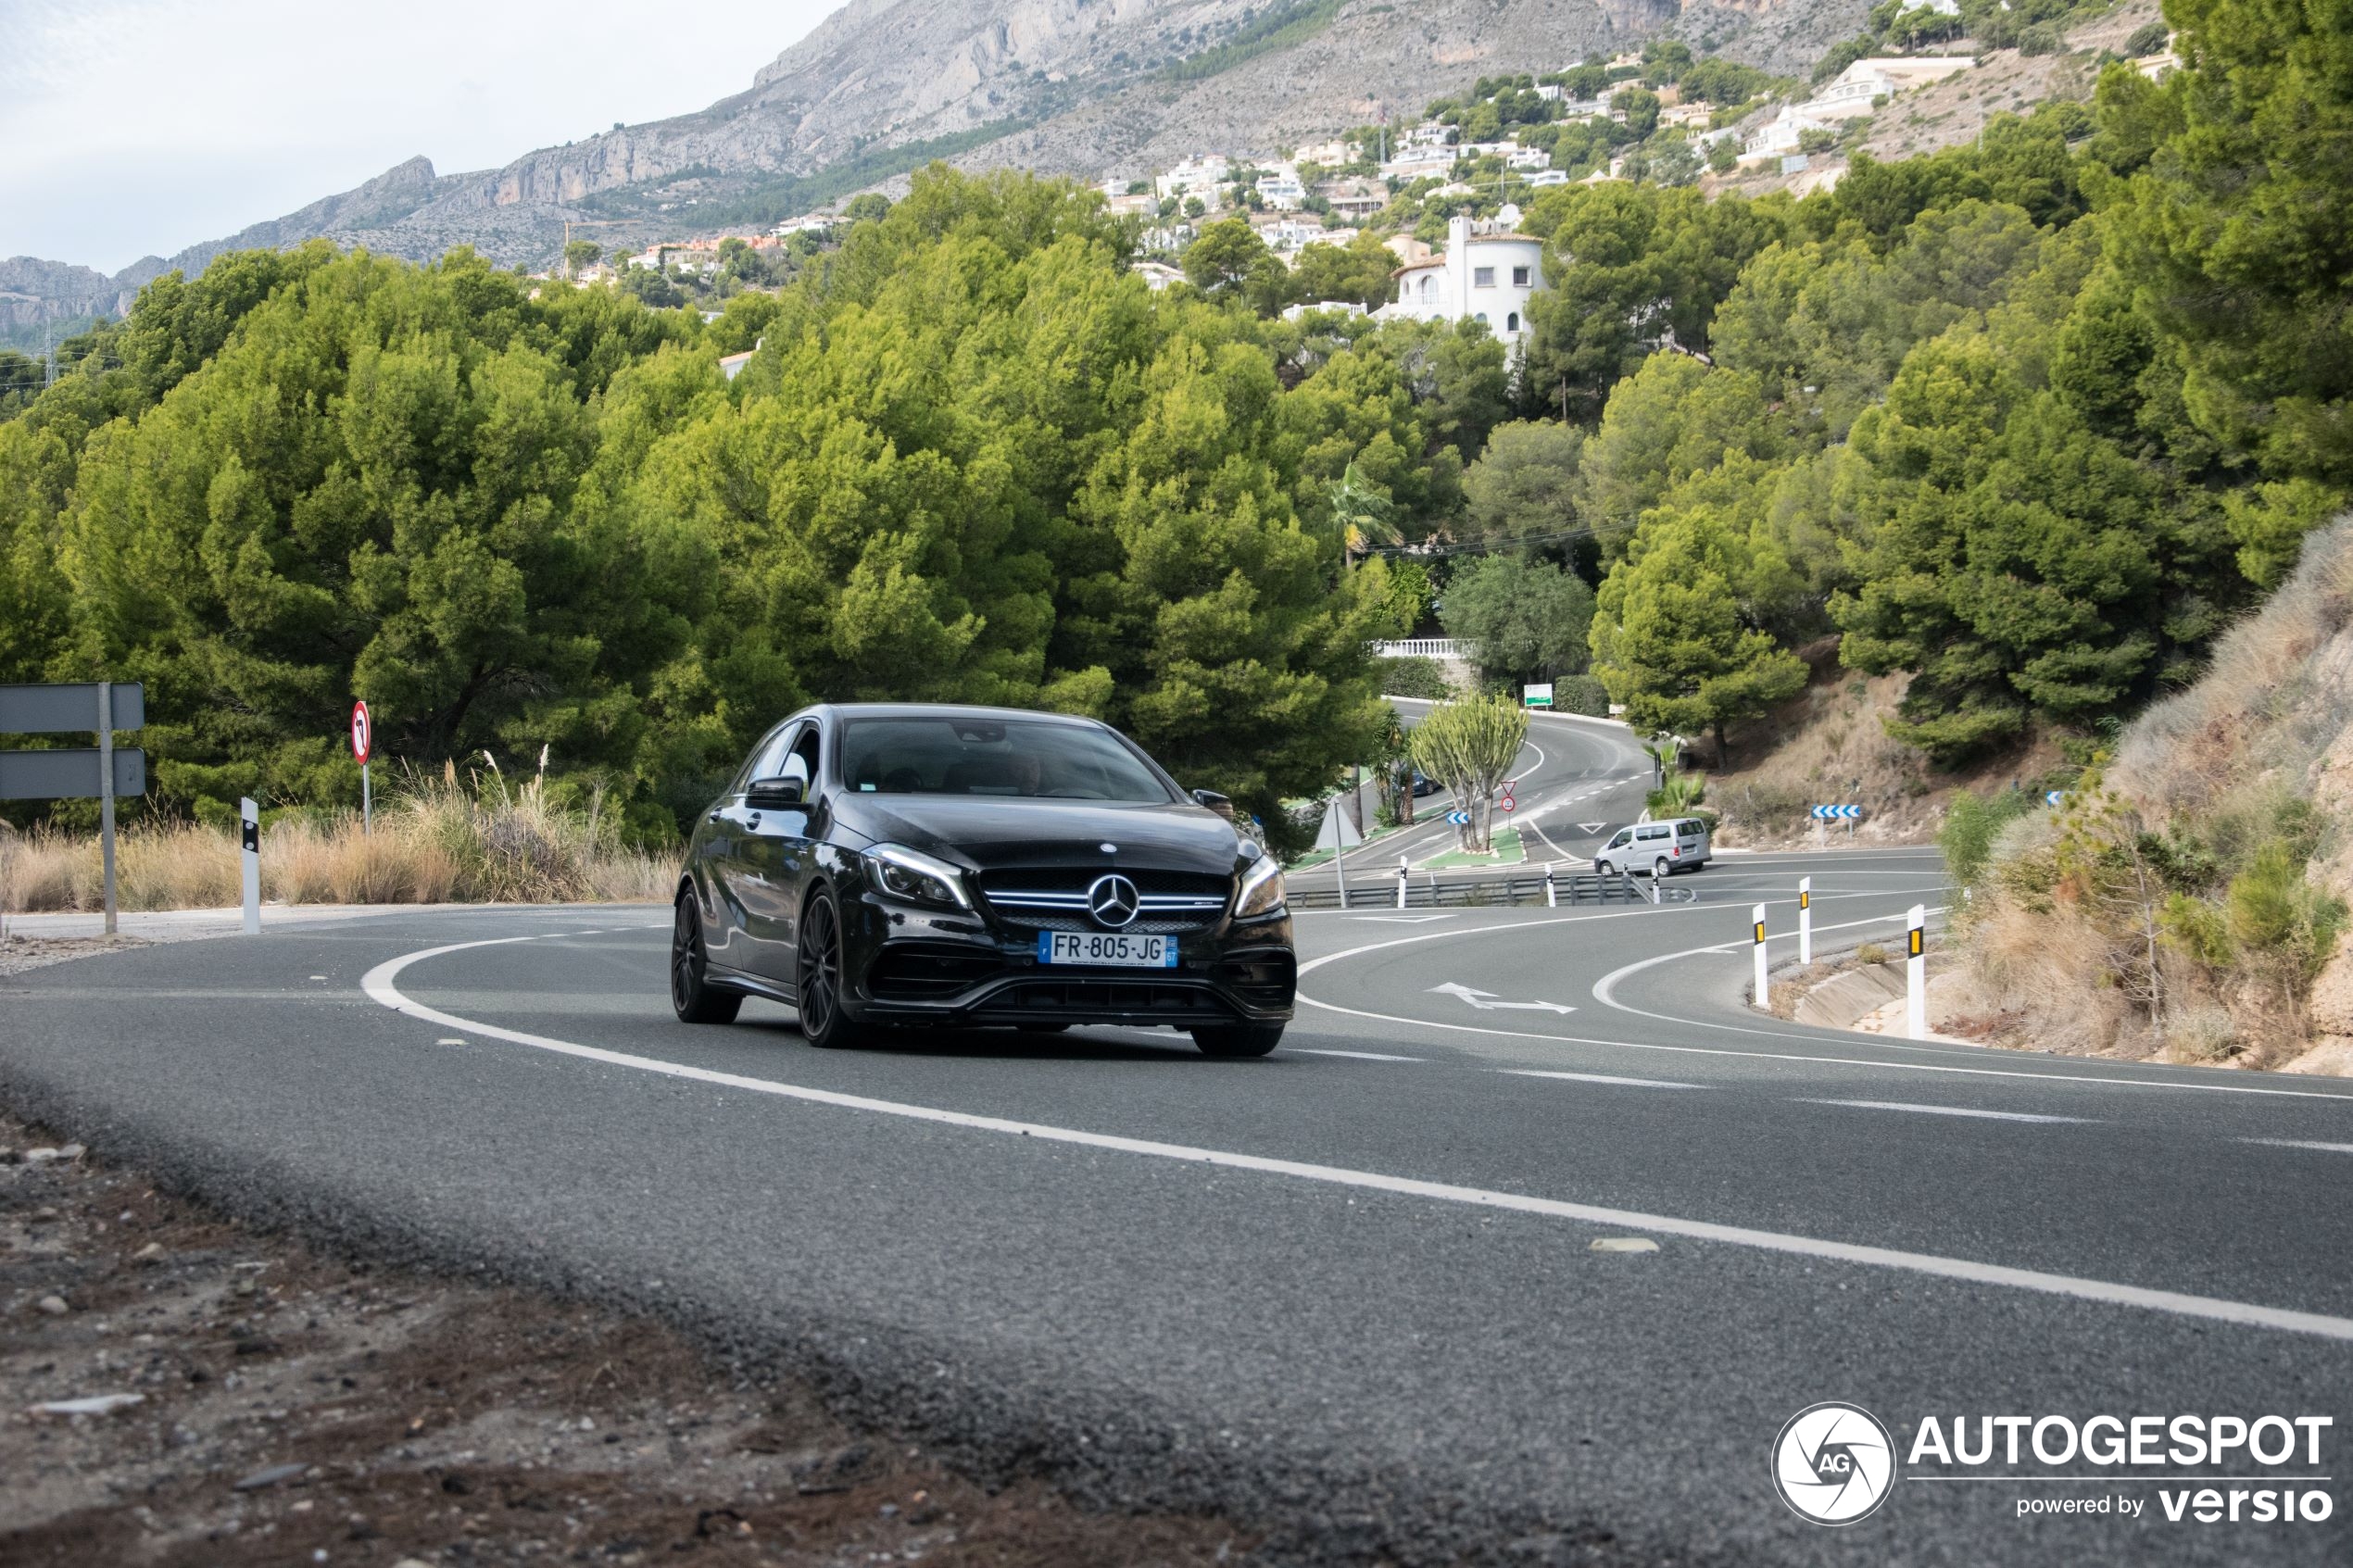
<point>1215,802</point>
<point>772,794</point>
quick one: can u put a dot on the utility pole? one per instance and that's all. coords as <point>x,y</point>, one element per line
<point>49,352</point>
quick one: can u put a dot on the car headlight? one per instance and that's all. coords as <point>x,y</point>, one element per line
<point>1261,888</point>
<point>914,878</point>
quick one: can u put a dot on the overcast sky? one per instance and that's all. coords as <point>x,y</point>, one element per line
<point>133,127</point>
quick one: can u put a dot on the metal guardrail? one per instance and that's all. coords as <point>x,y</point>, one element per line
<point>1427,891</point>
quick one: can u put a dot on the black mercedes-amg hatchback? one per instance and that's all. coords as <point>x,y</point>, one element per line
<point>892,863</point>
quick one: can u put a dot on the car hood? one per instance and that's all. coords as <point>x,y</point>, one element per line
<point>986,835</point>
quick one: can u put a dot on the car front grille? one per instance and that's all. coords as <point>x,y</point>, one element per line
<point>1170,903</point>
<point>1092,995</point>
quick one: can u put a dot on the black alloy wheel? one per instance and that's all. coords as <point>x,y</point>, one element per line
<point>1238,1039</point>
<point>818,985</point>
<point>692,996</point>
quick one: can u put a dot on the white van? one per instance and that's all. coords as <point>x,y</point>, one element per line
<point>1655,848</point>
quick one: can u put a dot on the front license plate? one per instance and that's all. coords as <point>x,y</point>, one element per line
<point>1106,947</point>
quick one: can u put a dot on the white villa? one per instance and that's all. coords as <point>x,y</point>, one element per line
<point>1482,277</point>
<point>1195,177</point>
<point>1855,92</point>
<point>1851,94</point>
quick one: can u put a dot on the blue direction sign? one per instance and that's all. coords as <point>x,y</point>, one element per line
<point>1460,819</point>
<point>1838,813</point>
<point>2055,797</point>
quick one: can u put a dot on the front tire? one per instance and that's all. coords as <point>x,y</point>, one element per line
<point>1603,868</point>
<point>1238,1039</point>
<point>692,996</point>
<point>818,979</point>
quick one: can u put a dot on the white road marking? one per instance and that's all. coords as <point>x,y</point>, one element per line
<point>1876,1043</point>
<point>1485,1001</point>
<point>1599,1078</point>
<point>378,985</point>
<point>1402,920</point>
<point>1946,1110</point>
<point>2303,1143</point>
<point>1360,1055</point>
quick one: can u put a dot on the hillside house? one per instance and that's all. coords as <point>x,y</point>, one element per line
<point>1852,92</point>
<point>1197,176</point>
<point>1482,277</point>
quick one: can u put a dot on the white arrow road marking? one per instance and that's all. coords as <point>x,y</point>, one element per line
<point>1598,1078</point>
<point>378,983</point>
<point>1485,1000</point>
<point>1945,1110</point>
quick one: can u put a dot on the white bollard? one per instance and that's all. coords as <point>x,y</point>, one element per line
<point>1757,926</point>
<point>1402,871</point>
<point>249,824</point>
<point>1552,894</point>
<point>1916,974</point>
<point>1805,920</point>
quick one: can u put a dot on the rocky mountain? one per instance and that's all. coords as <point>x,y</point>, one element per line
<point>1086,87</point>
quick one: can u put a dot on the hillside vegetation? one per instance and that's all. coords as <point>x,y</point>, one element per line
<point>2022,427</point>
<point>2187,899</point>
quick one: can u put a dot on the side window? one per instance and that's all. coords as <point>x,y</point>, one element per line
<point>1622,840</point>
<point>769,760</point>
<point>766,757</point>
<point>803,759</point>
<point>1655,830</point>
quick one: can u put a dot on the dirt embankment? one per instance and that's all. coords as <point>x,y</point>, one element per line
<point>178,1390</point>
<point>1830,745</point>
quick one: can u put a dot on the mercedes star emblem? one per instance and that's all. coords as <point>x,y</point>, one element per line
<point>1112,901</point>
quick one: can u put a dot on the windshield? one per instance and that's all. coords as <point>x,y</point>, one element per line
<point>1012,757</point>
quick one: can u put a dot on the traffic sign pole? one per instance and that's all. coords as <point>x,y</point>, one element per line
<point>1805,920</point>
<point>1756,929</point>
<point>106,792</point>
<point>1916,973</point>
<point>363,745</point>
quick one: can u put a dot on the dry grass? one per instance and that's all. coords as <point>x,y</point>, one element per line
<point>1830,743</point>
<point>441,844</point>
<point>2270,724</point>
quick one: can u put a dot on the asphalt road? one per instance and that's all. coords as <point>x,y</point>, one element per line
<point>1576,781</point>
<point>1350,1289</point>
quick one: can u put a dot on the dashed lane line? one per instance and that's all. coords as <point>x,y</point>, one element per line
<point>2303,1143</point>
<point>1599,1078</point>
<point>381,984</point>
<point>1947,1111</point>
<point>1357,1056</point>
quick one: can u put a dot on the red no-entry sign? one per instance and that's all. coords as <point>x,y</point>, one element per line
<point>362,737</point>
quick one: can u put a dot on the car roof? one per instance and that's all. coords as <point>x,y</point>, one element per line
<point>942,710</point>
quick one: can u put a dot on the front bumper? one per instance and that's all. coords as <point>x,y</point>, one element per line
<point>905,966</point>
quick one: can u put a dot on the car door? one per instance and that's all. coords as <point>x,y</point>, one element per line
<point>731,861</point>
<point>1652,842</point>
<point>1613,850</point>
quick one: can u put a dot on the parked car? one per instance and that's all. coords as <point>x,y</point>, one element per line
<point>1660,848</point>
<point>888,863</point>
<point>1425,785</point>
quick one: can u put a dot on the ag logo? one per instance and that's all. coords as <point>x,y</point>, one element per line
<point>1833,1463</point>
